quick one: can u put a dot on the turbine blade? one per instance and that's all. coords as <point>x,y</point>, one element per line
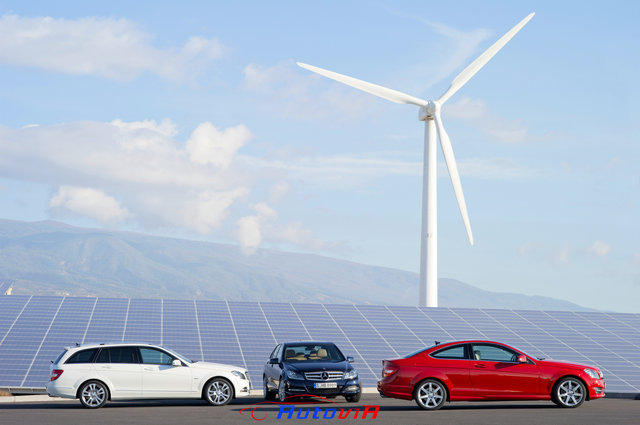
<point>482,60</point>
<point>447,150</point>
<point>374,89</point>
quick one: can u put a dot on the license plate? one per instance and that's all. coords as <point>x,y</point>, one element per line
<point>325,385</point>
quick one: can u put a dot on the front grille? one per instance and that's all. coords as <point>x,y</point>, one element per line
<point>331,375</point>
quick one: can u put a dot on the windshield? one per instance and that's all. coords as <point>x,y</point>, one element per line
<point>312,353</point>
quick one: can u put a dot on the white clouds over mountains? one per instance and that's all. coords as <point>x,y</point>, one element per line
<point>157,180</point>
<point>117,49</point>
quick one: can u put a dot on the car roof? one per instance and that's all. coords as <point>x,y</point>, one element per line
<point>308,342</point>
<point>109,344</point>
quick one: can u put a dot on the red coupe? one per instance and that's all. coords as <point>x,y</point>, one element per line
<point>486,370</point>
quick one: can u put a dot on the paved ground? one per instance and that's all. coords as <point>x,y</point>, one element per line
<point>605,411</point>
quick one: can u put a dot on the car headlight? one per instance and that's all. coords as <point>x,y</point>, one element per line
<point>239,374</point>
<point>352,374</point>
<point>592,373</point>
<point>292,374</point>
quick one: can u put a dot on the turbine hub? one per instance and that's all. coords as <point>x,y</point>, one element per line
<point>428,111</point>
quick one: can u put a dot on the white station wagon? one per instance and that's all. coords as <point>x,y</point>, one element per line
<point>96,373</point>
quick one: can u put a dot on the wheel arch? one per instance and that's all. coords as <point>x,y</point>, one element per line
<point>97,380</point>
<point>433,378</point>
<point>568,375</point>
<point>204,386</point>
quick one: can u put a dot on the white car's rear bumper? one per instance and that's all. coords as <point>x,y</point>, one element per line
<point>54,389</point>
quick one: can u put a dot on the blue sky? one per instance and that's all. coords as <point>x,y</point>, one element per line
<point>191,119</point>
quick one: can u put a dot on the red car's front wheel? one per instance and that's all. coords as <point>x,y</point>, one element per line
<point>569,392</point>
<point>430,394</point>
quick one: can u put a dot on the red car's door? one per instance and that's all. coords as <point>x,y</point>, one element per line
<point>453,363</point>
<point>496,373</point>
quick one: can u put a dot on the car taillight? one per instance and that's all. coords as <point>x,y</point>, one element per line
<point>55,374</point>
<point>388,371</point>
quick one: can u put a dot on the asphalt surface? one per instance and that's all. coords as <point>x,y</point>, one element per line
<point>604,411</point>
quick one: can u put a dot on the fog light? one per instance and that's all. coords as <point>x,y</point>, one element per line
<point>352,388</point>
<point>598,390</point>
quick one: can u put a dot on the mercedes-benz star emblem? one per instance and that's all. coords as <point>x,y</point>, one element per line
<point>325,375</point>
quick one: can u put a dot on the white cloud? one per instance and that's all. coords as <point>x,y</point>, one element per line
<point>250,228</point>
<point>151,173</point>
<point>599,248</point>
<point>301,94</point>
<point>117,49</point>
<point>349,171</point>
<point>561,257</point>
<point>88,202</point>
<point>476,113</point>
<point>209,145</point>
<point>458,49</point>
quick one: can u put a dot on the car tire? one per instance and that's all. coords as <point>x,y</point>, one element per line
<point>430,394</point>
<point>569,392</point>
<point>218,392</point>
<point>93,394</point>
<point>282,393</point>
<point>352,398</point>
<point>268,394</point>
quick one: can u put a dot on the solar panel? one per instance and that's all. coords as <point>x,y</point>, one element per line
<point>34,330</point>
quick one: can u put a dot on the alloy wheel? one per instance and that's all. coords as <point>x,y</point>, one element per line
<point>430,395</point>
<point>219,393</point>
<point>93,394</point>
<point>570,393</point>
<point>282,395</point>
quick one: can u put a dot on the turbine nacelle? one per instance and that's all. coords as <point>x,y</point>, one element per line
<point>428,112</point>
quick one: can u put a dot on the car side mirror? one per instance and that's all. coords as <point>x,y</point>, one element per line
<point>273,361</point>
<point>350,359</point>
<point>522,359</point>
<point>176,362</point>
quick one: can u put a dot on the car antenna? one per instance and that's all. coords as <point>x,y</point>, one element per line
<point>77,344</point>
<point>437,342</point>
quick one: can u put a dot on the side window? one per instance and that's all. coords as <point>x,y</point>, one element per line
<point>84,356</point>
<point>103,356</point>
<point>455,352</point>
<point>153,356</point>
<point>493,353</point>
<point>123,354</point>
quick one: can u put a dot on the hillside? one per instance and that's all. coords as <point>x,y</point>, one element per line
<point>54,258</point>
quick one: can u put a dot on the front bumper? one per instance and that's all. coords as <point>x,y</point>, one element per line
<point>343,387</point>
<point>242,386</point>
<point>596,388</point>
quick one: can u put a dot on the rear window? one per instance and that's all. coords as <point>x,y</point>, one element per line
<point>60,356</point>
<point>118,355</point>
<point>83,356</point>
<point>455,352</point>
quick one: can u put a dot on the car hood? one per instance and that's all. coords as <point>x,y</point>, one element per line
<point>216,366</point>
<point>315,366</point>
<point>560,363</point>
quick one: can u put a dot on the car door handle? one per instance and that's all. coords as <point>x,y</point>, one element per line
<point>480,366</point>
<point>105,367</point>
<point>148,368</point>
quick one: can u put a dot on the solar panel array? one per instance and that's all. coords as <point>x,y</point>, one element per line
<point>34,330</point>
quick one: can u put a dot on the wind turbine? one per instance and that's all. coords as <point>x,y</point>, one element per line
<point>430,114</point>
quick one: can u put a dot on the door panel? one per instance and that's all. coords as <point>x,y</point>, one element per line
<point>160,381</point>
<point>120,367</point>
<point>495,373</point>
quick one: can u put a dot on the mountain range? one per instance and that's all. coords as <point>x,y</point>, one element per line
<point>48,257</point>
